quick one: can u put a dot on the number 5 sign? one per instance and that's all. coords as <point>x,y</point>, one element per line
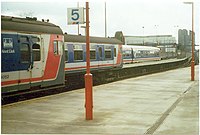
<point>75,15</point>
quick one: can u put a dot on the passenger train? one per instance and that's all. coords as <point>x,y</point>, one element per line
<point>132,54</point>
<point>36,54</point>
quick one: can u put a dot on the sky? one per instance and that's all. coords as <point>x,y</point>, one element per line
<point>132,17</point>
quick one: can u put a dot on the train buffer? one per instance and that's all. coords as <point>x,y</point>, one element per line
<point>160,103</point>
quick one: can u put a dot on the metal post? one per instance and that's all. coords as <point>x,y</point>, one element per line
<point>156,26</point>
<point>192,62</point>
<point>78,23</point>
<point>143,34</point>
<point>88,75</point>
<point>105,22</point>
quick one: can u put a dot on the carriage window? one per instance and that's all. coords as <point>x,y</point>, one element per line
<point>66,55</point>
<point>92,54</point>
<point>108,54</point>
<point>25,53</point>
<point>100,52</point>
<point>55,47</point>
<point>78,54</point>
<point>36,52</point>
<point>124,54</point>
<point>35,39</point>
<point>115,52</point>
<point>23,39</point>
<point>138,54</point>
<point>127,53</point>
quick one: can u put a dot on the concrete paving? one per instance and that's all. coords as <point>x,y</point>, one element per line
<point>185,117</point>
<point>161,103</point>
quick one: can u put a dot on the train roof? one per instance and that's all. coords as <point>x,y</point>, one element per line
<point>30,25</point>
<point>82,39</point>
<point>140,47</point>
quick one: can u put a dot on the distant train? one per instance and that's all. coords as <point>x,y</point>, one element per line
<point>132,54</point>
<point>36,54</point>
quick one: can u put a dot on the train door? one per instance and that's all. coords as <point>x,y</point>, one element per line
<point>109,55</point>
<point>113,55</point>
<point>100,54</point>
<point>132,54</point>
<point>31,65</point>
<point>25,62</point>
<point>37,68</point>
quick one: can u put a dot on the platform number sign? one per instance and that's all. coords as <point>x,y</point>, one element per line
<point>75,15</point>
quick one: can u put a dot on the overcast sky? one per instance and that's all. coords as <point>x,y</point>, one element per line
<point>132,17</point>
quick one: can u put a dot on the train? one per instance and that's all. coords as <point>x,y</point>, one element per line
<point>133,54</point>
<point>37,54</point>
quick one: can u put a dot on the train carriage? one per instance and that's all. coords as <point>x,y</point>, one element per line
<point>104,53</point>
<point>133,54</point>
<point>31,54</point>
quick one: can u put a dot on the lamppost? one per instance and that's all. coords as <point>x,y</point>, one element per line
<point>176,30</point>
<point>105,22</point>
<point>143,34</point>
<point>177,51</point>
<point>78,23</point>
<point>192,62</point>
<point>156,27</point>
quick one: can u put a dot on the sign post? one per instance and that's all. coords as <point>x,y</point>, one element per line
<point>76,16</point>
<point>88,75</point>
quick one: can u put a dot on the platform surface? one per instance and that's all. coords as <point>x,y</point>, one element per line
<point>161,103</point>
<point>146,63</point>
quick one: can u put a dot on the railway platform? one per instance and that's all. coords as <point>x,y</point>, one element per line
<point>160,103</point>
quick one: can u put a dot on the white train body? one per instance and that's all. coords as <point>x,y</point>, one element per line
<point>133,54</point>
